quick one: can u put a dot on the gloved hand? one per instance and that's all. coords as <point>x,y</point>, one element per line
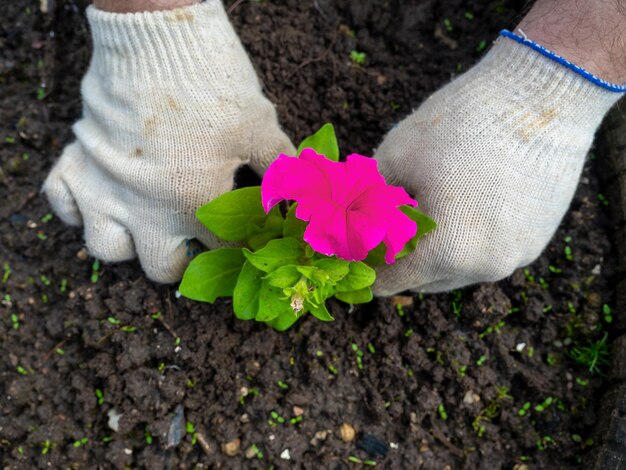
<point>494,157</point>
<point>172,107</point>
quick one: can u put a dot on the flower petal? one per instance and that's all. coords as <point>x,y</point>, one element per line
<point>294,179</point>
<point>400,230</point>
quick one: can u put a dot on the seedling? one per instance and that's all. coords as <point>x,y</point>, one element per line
<point>592,356</point>
<point>95,271</point>
<point>81,442</point>
<point>481,361</point>
<point>608,313</point>
<point>603,200</point>
<point>148,436</point>
<point>191,430</point>
<point>15,321</point>
<point>100,397</point>
<point>482,45</point>
<point>7,273</point>
<point>457,304</point>
<point>469,15</point>
<point>369,463</point>
<point>442,412</point>
<point>358,57</point>
<point>524,409</point>
<point>283,385</point>
<point>544,405</point>
<point>448,24</point>
<point>493,329</point>
<point>359,355</point>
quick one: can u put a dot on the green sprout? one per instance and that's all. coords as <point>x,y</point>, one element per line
<point>100,397</point>
<point>15,321</point>
<point>481,361</point>
<point>400,310</point>
<point>544,405</point>
<point>190,428</point>
<point>448,24</point>
<point>469,15</point>
<point>482,45</point>
<point>608,313</point>
<point>358,57</point>
<point>283,385</point>
<point>148,436</point>
<point>81,442</point>
<point>442,412</point>
<point>7,272</point>
<point>603,200</point>
<point>524,409</point>
<point>592,356</point>
<point>95,271</point>
<point>359,355</point>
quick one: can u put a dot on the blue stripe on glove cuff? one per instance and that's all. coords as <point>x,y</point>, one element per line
<point>557,58</point>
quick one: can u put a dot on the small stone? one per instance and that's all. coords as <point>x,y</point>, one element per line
<point>424,448</point>
<point>231,448</point>
<point>114,419</point>
<point>82,254</point>
<point>244,419</point>
<point>393,445</point>
<point>272,437</point>
<point>403,300</point>
<point>597,270</point>
<point>413,417</point>
<point>320,436</point>
<point>520,347</point>
<point>128,451</point>
<point>347,432</point>
<point>297,411</point>
<point>251,452</point>
<point>31,224</point>
<point>470,398</point>
<point>285,455</point>
<point>520,466</point>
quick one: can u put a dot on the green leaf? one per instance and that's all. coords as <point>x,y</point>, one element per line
<point>361,296</point>
<point>259,235</point>
<point>283,277</point>
<point>320,312</point>
<point>293,227</point>
<point>272,303</point>
<point>376,257</point>
<point>277,253</point>
<point>323,142</point>
<point>286,320</point>
<point>246,293</point>
<point>229,215</point>
<point>424,225</point>
<point>334,269</point>
<point>212,274</point>
<point>359,277</point>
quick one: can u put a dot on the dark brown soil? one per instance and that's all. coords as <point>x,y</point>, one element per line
<point>77,342</point>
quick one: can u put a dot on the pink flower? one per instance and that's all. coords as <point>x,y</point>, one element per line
<point>349,207</point>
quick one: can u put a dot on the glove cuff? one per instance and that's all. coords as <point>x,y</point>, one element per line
<point>169,46</point>
<point>564,62</point>
<point>518,72</point>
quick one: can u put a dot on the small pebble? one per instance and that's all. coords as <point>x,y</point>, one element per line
<point>520,466</point>
<point>347,432</point>
<point>320,436</point>
<point>297,411</point>
<point>597,270</point>
<point>470,398</point>
<point>114,419</point>
<point>404,300</point>
<point>424,448</point>
<point>251,452</point>
<point>231,448</point>
<point>244,419</point>
<point>285,455</point>
<point>520,347</point>
<point>393,445</point>
<point>128,451</point>
<point>271,437</point>
<point>82,254</point>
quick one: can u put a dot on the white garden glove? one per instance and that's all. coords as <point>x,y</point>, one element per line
<point>172,107</point>
<point>494,157</point>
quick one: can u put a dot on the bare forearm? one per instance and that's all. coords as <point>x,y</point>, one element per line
<point>130,6</point>
<point>591,34</point>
